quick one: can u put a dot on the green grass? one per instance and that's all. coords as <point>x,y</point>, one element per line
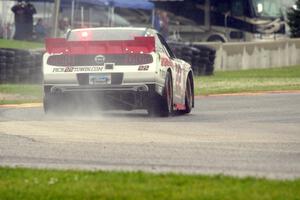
<point>15,44</point>
<point>52,184</point>
<point>24,89</point>
<point>257,80</point>
<point>26,93</point>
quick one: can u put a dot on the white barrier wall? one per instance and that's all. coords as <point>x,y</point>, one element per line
<point>253,55</point>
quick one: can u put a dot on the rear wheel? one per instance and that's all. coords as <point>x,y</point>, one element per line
<point>188,97</point>
<point>162,105</point>
<point>53,103</point>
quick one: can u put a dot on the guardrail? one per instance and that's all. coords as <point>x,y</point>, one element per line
<point>253,55</point>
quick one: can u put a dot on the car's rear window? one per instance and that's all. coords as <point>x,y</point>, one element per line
<point>104,34</point>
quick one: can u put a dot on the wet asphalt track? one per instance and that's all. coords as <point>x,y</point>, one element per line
<point>257,135</point>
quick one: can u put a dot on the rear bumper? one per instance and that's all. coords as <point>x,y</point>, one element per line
<point>126,97</point>
<point>99,88</point>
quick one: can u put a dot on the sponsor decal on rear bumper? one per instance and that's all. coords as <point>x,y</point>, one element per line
<point>78,69</point>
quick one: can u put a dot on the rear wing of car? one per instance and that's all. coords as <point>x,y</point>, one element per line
<point>138,45</point>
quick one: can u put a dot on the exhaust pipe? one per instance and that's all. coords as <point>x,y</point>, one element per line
<point>56,90</point>
<point>143,88</point>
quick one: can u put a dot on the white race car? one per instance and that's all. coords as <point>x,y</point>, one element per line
<point>120,68</point>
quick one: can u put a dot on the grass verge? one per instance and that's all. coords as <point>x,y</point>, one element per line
<point>258,80</point>
<point>16,44</point>
<point>19,101</point>
<point>33,184</point>
<point>17,94</point>
<point>24,89</point>
<point>287,78</point>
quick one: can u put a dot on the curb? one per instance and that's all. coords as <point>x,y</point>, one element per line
<point>25,105</point>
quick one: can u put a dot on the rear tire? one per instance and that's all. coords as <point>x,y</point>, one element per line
<point>48,103</point>
<point>188,97</point>
<point>54,103</point>
<point>162,105</point>
<point>154,105</point>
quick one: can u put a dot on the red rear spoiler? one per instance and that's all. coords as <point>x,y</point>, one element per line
<point>138,45</point>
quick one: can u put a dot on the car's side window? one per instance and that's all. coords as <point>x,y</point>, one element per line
<point>166,46</point>
<point>166,51</point>
<point>159,47</point>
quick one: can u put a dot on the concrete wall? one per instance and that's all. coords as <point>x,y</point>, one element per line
<point>253,55</point>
